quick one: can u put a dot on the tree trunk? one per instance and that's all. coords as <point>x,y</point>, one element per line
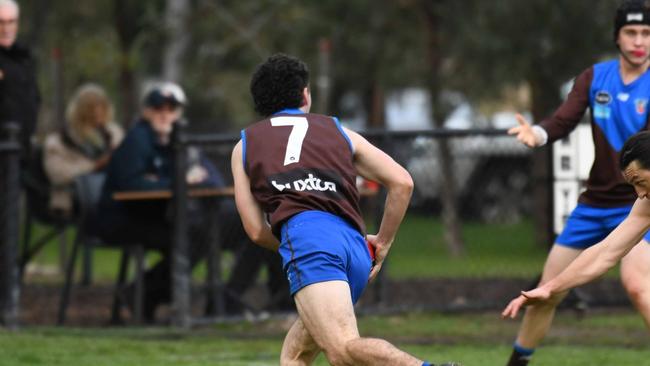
<point>374,101</point>
<point>448,194</point>
<point>545,99</point>
<point>126,26</point>
<point>178,39</point>
<point>324,80</point>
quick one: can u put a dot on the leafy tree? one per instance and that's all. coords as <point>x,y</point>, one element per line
<point>537,43</point>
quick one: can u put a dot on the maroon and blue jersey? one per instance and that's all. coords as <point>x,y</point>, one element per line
<point>618,111</point>
<point>299,162</point>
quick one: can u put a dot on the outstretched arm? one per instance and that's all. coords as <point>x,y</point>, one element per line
<point>374,164</point>
<point>249,210</point>
<point>593,262</point>
<point>531,136</point>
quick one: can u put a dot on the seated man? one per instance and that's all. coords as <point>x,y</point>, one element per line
<point>144,162</point>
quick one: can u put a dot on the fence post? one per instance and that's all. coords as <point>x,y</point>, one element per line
<point>9,203</point>
<point>181,266</point>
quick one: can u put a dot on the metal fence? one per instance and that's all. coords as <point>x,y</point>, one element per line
<point>493,196</point>
<point>492,193</point>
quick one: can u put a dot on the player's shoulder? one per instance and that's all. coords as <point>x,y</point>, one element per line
<point>605,65</point>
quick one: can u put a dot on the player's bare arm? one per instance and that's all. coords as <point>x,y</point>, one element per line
<point>374,164</point>
<point>249,210</point>
<point>593,262</point>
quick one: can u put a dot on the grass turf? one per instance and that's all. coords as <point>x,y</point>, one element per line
<point>473,339</point>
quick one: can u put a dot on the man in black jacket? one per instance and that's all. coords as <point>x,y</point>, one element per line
<point>19,95</point>
<point>19,100</point>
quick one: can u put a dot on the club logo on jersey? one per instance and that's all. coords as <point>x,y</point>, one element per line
<point>603,97</point>
<point>307,180</point>
<point>640,105</point>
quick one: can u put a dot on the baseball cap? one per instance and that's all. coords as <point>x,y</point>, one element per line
<point>165,93</point>
<point>631,12</point>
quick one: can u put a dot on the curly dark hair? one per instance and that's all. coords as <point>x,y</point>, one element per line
<point>636,148</point>
<point>278,83</point>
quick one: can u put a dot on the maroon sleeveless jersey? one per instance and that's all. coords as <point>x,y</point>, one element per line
<point>301,162</point>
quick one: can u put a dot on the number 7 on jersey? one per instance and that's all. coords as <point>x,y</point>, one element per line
<point>296,137</point>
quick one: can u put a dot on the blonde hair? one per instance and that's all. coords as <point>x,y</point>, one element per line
<point>81,113</point>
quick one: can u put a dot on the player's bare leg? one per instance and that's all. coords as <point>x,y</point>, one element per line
<point>635,275</point>
<point>299,347</point>
<point>538,318</point>
<point>327,313</point>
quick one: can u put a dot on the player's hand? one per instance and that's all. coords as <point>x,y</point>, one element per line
<point>524,132</point>
<point>381,251</point>
<point>531,297</point>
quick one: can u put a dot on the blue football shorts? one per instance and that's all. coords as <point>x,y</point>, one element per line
<point>587,225</point>
<point>317,246</point>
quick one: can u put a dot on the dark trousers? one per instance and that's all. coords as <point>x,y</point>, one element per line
<point>149,225</point>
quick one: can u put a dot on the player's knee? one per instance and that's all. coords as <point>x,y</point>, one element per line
<point>338,357</point>
<point>285,360</point>
<point>338,354</point>
<point>637,290</point>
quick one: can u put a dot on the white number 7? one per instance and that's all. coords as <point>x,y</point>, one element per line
<point>296,137</point>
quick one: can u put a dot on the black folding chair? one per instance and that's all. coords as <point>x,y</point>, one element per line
<point>37,188</point>
<point>87,195</point>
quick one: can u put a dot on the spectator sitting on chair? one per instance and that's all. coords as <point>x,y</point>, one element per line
<point>144,162</point>
<point>84,145</point>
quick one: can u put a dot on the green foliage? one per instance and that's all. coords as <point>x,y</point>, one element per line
<point>375,45</point>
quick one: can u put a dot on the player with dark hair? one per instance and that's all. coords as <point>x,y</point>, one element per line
<point>617,93</point>
<point>298,170</point>
<point>595,261</point>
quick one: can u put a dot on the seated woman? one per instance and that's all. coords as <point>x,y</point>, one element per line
<point>83,146</point>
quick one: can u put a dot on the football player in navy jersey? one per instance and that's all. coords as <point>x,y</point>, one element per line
<point>294,175</point>
<point>617,94</point>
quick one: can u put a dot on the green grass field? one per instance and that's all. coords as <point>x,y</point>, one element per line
<point>473,339</point>
<point>505,251</point>
<point>419,252</point>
